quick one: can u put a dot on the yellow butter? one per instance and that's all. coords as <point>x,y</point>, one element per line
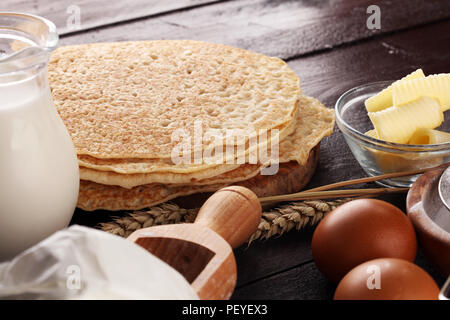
<point>435,86</point>
<point>398,124</point>
<point>372,133</point>
<point>383,99</point>
<point>429,136</point>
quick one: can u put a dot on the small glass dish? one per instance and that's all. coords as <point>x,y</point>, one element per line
<point>378,157</point>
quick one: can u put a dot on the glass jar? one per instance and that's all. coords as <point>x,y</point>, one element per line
<point>378,157</point>
<point>39,176</point>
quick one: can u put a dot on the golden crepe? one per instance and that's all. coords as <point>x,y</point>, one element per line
<point>128,181</point>
<point>123,103</point>
<point>316,123</point>
<point>166,165</point>
<point>95,196</point>
<point>126,99</point>
<point>313,122</point>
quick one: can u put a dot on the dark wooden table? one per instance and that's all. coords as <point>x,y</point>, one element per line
<point>326,42</point>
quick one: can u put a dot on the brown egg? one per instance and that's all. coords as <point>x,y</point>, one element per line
<point>358,231</point>
<point>387,279</point>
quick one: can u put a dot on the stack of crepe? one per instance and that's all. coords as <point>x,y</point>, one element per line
<point>123,104</point>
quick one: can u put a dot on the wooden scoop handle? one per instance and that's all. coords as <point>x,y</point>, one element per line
<point>232,212</point>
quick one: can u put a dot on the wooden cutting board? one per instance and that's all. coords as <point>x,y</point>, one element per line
<point>291,177</point>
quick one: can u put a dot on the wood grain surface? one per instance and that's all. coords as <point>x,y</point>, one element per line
<point>327,44</point>
<point>96,13</point>
<point>285,29</point>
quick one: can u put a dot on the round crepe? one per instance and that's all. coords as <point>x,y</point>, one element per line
<point>166,165</point>
<point>126,99</point>
<point>315,123</point>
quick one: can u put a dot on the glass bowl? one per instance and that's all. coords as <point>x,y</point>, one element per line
<point>378,157</point>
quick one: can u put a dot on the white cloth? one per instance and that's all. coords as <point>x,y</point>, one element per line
<point>84,263</point>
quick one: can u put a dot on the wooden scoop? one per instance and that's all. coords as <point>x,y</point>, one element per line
<point>202,251</point>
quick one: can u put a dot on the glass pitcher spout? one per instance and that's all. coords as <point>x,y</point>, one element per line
<point>25,44</point>
<point>20,31</point>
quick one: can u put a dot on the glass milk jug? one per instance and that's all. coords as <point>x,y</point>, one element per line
<point>39,176</point>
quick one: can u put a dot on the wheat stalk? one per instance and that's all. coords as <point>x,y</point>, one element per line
<point>275,222</point>
<point>331,194</point>
<point>165,213</point>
